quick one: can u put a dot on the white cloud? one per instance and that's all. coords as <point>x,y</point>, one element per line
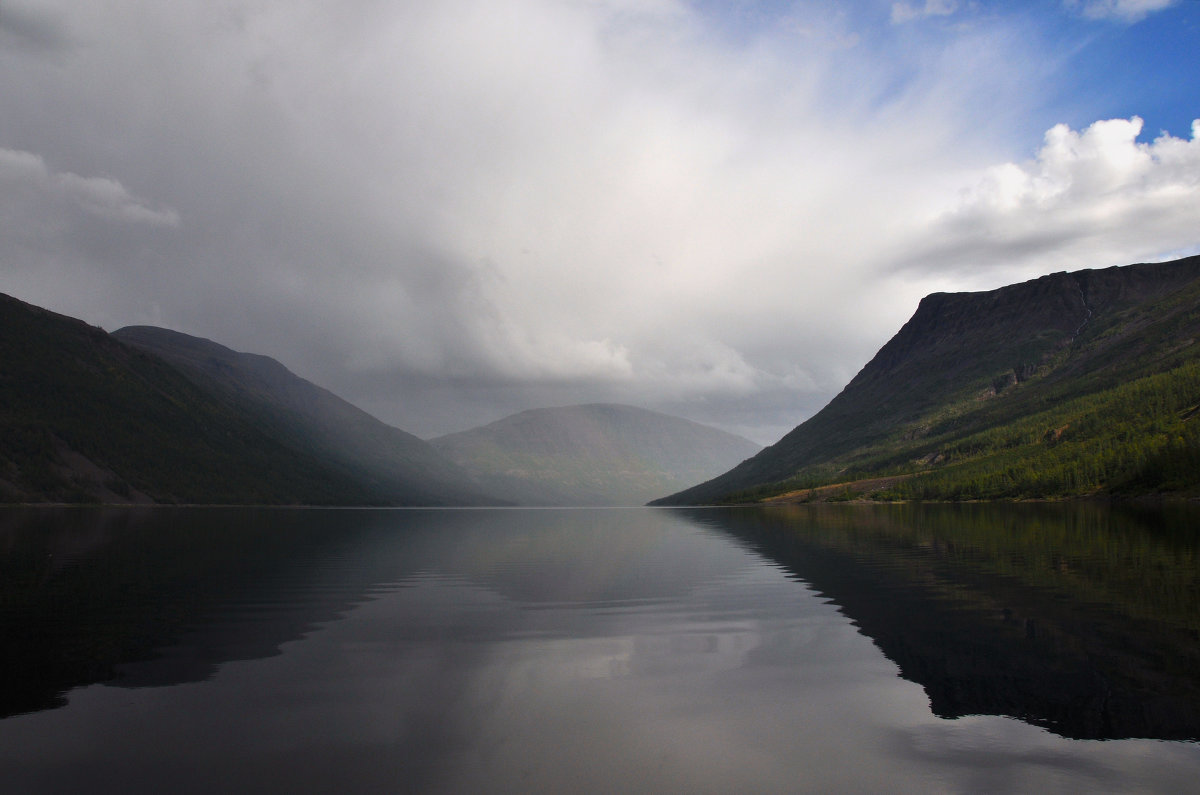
<point>109,199</point>
<point>15,164</point>
<point>1120,10</point>
<point>99,196</point>
<point>1097,197</point>
<point>907,12</point>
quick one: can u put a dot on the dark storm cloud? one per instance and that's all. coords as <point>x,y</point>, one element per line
<point>30,27</point>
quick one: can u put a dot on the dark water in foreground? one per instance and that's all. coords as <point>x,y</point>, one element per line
<point>822,648</point>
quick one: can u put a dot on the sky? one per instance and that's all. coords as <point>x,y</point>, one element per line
<point>447,212</point>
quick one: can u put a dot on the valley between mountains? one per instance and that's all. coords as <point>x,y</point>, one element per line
<point>150,415</point>
<point>1076,384</point>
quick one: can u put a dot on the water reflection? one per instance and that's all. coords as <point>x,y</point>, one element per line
<point>105,595</point>
<point>156,597</point>
<point>594,650</point>
<point>1081,619</point>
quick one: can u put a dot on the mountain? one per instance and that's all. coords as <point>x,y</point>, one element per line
<point>394,465</point>
<point>596,454</point>
<point>1070,384</point>
<point>85,417</point>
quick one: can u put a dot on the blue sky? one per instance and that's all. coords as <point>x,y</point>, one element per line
<point>1149,69</point>
<point>1097,59</point>
<point>448,212</point>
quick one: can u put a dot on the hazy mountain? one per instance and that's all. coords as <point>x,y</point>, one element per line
<point>592,455</point>
<point>85,417</point>
<point>1068,384</point>
<point>394,465</point>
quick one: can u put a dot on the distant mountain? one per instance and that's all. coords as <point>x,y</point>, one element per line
<point>592,455</point>
<point>85,417</point>
<point>1074,383</point>
<point>395,466</point>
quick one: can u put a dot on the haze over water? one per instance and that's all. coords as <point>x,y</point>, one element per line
<point>850,648</point>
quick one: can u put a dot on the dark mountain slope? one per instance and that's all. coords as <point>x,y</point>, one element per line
<point>86,418</point>
<point>972,363</point>
<point>396,467</point>
<point>592,455</point>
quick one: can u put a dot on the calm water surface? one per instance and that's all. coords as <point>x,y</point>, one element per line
<point>823,648</point>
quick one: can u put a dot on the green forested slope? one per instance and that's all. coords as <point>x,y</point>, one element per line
<point>1136,438</point>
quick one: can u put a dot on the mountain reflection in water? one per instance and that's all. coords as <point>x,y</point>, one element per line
<point>648,650</point>
<point>1083,619</point>
<point>107,595</point>
<point>153,597</point>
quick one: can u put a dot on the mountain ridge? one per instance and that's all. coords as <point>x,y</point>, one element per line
<point>86,417</point>
<point>979,357</point>
<point>392,460</point>
<point>162,439</point>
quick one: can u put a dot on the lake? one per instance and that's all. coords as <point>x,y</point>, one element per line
<point>940,648</point>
